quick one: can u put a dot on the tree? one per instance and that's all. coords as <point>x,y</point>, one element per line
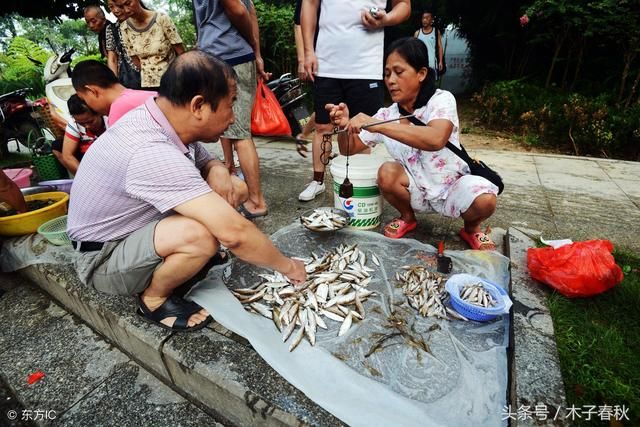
<point>63,34</point>
<point>181,12</point>
<point>52,9</point>
<point>571,23</point>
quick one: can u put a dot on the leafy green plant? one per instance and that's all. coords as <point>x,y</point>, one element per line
<point>532,140</point>
<point>276,36</point>
<point>18,71</point>
<point>585,125</point>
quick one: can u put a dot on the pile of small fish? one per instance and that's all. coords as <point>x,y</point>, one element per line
<point>425,292</point>
<point>323,220</point>
<point>476,294</point>
<point>335,289</point>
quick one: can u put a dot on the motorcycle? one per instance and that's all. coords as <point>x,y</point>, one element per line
<point>289,92</point>
<point>18,120</point>
<point>58,87</point>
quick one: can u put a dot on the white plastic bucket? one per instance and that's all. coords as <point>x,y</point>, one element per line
<point>365,207</point>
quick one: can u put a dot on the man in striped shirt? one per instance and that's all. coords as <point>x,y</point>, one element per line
<point>150,207</point>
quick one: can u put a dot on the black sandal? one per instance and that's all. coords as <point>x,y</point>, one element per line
<point>176,307</point>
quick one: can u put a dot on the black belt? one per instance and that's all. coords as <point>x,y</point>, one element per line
<point>87,246</point>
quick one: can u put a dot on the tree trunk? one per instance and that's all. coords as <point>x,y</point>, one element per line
<point>628,59</point>
<point>523,62</point>
<point>633,90</point>
<point>579,64</point>
<point>566,69</point>
<point>573,141</point>
<point>559,43</point>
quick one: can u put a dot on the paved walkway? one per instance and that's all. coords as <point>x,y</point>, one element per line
<point>560,196</point>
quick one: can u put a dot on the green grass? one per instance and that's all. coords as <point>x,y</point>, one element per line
<point>599,343</point>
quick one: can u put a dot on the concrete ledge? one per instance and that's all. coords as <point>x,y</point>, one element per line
<point>214,368</point>
<point>535,368</point>
<point>229,375</point>
<point>87,381</point>
<point>223,375</point>
<point>111,316</point>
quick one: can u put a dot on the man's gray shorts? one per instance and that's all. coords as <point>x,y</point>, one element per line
<point>246,75</point>
<point>124,267</point>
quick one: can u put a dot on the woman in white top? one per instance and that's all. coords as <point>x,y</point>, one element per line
<point>425,175</point>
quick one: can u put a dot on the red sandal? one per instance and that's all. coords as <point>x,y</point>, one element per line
<point>479,240</point>
<point>397,228</point>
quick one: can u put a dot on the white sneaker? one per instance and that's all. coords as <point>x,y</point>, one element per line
<point>313,189</point>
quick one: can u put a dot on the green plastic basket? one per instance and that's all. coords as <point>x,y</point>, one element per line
<point>55,231</point>
<point>48,167</point>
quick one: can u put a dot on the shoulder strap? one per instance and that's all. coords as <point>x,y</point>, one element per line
<point>460,152</point>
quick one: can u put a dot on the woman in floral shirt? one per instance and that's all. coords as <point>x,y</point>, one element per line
<point>151,39</point>
<point>118,59</point>
<point>425,175</point>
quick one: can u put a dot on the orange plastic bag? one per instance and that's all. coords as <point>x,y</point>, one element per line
<point>267,117</point>
<point>581,269</point>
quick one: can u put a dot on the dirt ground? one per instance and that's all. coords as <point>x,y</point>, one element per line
<point>475,136</point>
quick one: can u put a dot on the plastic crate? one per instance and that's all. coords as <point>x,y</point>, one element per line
<point>55,231</point>
<point>48,167</point>
<point>472,311</point>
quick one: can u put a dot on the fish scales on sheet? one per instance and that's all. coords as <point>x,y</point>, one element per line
<point>335,289</point>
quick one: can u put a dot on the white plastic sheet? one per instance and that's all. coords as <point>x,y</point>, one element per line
<point>462,380</point>
<point>20,252</point>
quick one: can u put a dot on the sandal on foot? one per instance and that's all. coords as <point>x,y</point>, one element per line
<point>174,306</point>
<point>242,209</point>
<point>302,139</point>
<point>397,228</point>
<point>479,240</point>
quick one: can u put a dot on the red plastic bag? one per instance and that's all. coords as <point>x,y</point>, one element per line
<point>581,269</point>
<point>267,117</point>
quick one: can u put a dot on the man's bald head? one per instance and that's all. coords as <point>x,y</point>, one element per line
<point>196,73</point>
<point>95,18</point>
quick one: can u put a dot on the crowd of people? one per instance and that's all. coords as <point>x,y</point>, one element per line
<point>151,209</point>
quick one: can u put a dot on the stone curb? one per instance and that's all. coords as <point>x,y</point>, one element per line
<point>535,376</point>
<point>222,375</point>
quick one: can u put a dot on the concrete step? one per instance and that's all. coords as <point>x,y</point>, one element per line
<point>215,369</point>
<point>87,381</point>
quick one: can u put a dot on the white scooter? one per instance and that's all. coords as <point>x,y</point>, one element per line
<point>58,87</point>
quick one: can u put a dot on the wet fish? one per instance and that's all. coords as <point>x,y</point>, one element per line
<point>335,289</point>
<point>345,325</point>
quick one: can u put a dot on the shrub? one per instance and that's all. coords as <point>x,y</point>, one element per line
<point>276,36</point>
<point>589,125</point>
<point>18,71</point>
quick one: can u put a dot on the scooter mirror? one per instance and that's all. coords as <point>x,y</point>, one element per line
<point>35,61</point>
<point>67,56</point>
<point>53,48</point>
